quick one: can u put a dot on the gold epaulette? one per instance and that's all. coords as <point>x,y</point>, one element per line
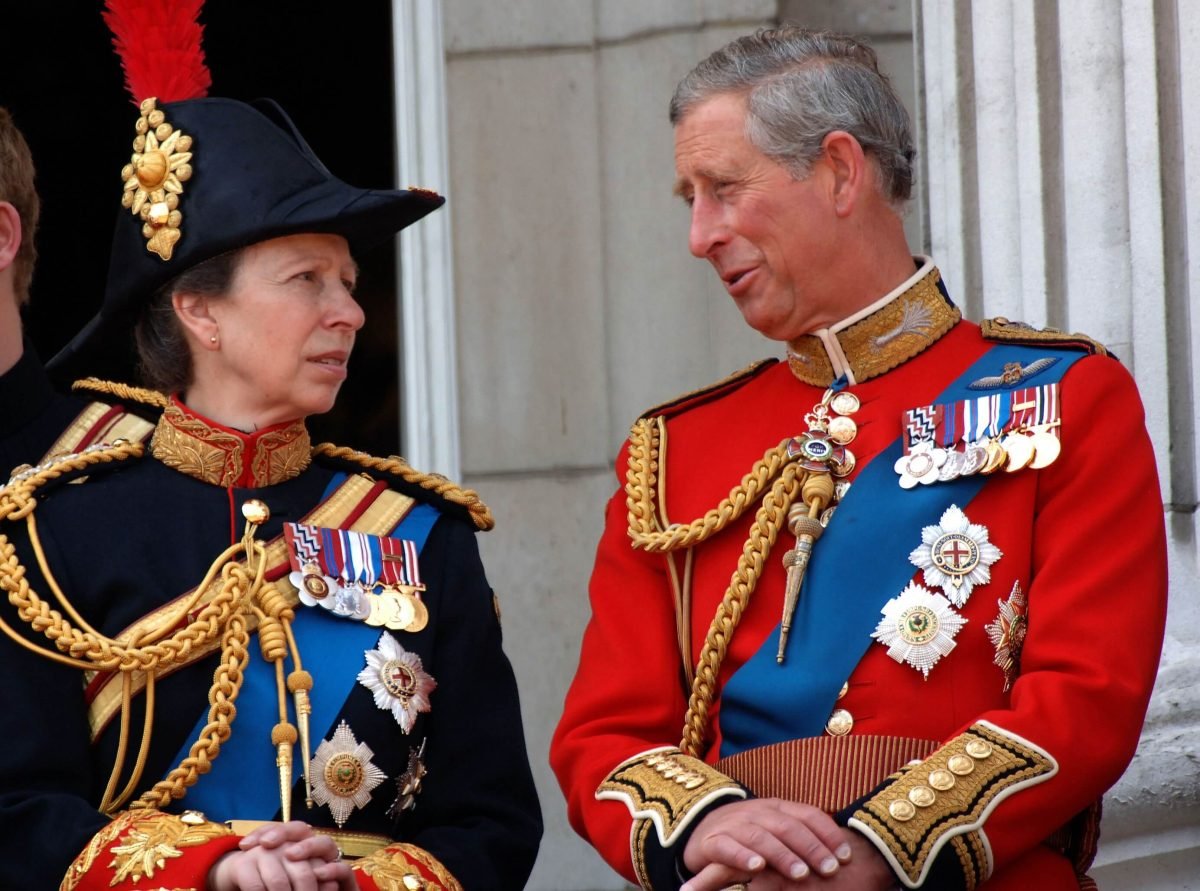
<point>1005,331</point>
<point>712,391</point>
<point>121,392</point>
<point>434,483</point>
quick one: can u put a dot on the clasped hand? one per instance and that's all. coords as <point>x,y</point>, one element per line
<point>283,857</point>
<point>776,845</point>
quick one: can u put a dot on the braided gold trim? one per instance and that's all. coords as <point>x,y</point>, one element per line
<point>393,868</point>
<point>667,788</point>
<point>84,648</point>
<point>950,794</point>
<point>641,478</point>
<point>771,517</point>
<point>122,392</point>
<point>481,515</point>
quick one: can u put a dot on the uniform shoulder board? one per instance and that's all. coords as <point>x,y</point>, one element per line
<point>706,394</point>
<point>117,391</point>
<point>430,488</point>
<point>1005,331</point>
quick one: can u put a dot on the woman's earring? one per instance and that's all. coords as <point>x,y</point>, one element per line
<point>213,340</point>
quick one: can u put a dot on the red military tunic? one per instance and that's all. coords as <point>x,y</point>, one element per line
<point>1083,538</point>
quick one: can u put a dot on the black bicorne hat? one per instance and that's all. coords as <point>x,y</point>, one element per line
<point>209,175</point>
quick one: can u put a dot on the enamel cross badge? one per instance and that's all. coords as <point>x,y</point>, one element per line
<point>398,681</point>
<point>955,555</point>
<point>918,627</point>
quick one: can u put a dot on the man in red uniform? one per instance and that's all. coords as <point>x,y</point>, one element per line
<point>887,614</point>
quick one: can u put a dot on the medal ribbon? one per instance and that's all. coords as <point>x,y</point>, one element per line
<point>333,649</point>
<point>763,702</point>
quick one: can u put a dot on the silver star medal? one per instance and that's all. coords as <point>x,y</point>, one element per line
<point>398,681</point>
<point>918,627</point>
<point>921,465</point>
<point>956,555</point>
<point>343,775</point>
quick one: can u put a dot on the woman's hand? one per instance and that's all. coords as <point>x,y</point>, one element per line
<point>283,857</point>
<point>781,841</point>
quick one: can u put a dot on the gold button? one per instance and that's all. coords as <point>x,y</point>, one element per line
<point>845,689</point>
<point>840,722</point>
<point>922,796</point>
<point>902,810</point>
<point>960,764</point>
<point>978,749</point>
<point>942,780</point>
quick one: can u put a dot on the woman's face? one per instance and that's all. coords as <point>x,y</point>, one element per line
<point>284,330</point>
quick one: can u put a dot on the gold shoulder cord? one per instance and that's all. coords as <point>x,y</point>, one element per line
<point>80,646</point>
<point>481,515</point>
<point>775,469</point>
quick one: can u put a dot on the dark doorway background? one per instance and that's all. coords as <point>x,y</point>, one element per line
<point>329,65</point>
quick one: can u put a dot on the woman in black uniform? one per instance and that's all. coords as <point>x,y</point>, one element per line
<point>225,626</point>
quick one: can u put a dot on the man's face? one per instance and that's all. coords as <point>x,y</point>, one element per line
<point>769,237</point>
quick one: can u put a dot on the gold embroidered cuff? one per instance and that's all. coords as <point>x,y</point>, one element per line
<point>407,867</point>
<point>946,798</point>
<point>667,788</point>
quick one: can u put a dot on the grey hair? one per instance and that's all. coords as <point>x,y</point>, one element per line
<point>801,85</point>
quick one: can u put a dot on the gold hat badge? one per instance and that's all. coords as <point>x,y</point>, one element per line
<point>154,178</point>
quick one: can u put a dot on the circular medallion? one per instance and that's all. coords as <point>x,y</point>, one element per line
<point>996,457</point>
<point>901,809</point>
<point>842,430</point>
<point>398,679</point>
<point>844,403</point>
<point>398,610</point>
<point>343,774</point>
<point>845,467</point>
<point>420,614</point>
<point>952,469</point>
<point>841,489</point>
<point>845,689</point>
<point>917,625</point>
<point>1046,447</point>
<point>840,722</point>
<point>974,459</point>
<point>1020,451</point>
<point>919,464</point>
<point>979,749</point>
<point>942,780</point>
<point>827,515</point>
<point>316,587</point>
<point>960,765</point>
<point>377,617</point>
<point>954,553</point>
<point>922,796</point>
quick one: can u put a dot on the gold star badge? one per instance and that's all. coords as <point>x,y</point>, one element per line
<point>343,775</point>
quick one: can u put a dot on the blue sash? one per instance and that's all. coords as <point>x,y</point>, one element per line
<point>242,783</point>
<point>860,561</point>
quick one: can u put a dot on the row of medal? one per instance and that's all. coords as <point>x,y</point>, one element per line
<point>366,578</point>
<point>1008,431</point>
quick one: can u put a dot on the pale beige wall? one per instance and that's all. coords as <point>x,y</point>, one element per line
<point>578,305</point>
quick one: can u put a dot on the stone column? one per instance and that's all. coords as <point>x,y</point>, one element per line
<point>1057,138</point>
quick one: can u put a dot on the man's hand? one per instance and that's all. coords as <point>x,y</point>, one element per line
<point>283,857</point>
<point>773,842</point>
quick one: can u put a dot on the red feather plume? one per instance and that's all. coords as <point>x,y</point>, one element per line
<point>159,46</point>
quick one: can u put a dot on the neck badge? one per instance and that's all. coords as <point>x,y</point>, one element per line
<point>370,578</point>
<point>918,627</point>
<point>1007,634</point>
<point>397,680</point>
<point>955,555</point>
<point>343,774</point>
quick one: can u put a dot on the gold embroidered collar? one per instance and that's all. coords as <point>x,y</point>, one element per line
<point>215,454</point>
<point>878,338</point>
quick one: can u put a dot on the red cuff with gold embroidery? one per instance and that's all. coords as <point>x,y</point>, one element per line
<point>173,850</point>
<point>403,866</point>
